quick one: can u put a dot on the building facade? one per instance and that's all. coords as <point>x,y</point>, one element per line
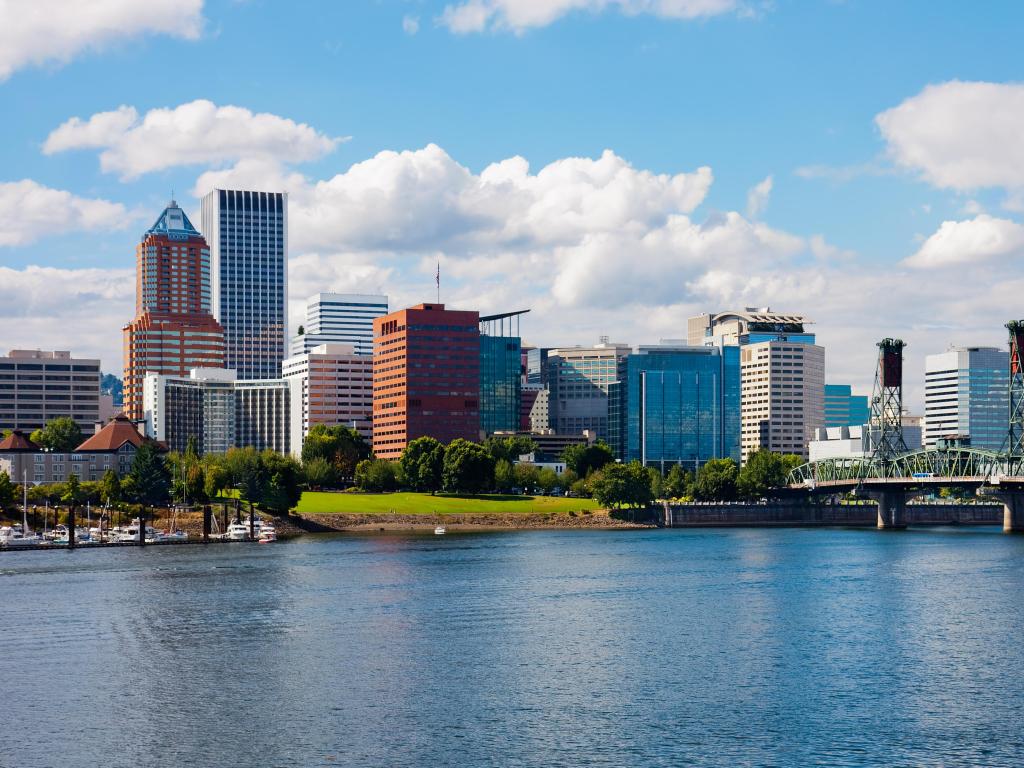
<point>677,405</point>
<point>219,411</point>
<point>578,379</point>
<point>37,386</point>
<point>782,396</point>
<point>340,318</point>
<point>426,377</point>
<point>752,325</point>
<point>248,236</point>
<point>173,330</point>
<point>966,395</point>
<point>500,383</point>
<point>843,408</point>
<point>334,386</point>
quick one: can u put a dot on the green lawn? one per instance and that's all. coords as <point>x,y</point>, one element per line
<point>318,503</point>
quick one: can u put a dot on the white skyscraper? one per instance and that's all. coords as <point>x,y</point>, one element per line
<point>340,318</point>
<point>248,237</point>
<point>966,395</point>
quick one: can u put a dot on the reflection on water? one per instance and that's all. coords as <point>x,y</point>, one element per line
<point>714,647</point>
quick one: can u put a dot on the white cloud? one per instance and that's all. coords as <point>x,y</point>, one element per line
<point>518,15</point>
<point>958,243</point>
<point>29,211</point>
<point>410,24</point>
<point>40,31</point>
<point>960,135</point>
<point>197,133</point>
<point>757,197</point>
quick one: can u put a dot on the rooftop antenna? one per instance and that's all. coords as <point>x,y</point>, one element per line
<point>437,279</point>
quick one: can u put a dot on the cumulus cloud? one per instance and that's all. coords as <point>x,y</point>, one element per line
<point>519,15</point>
<point>410,24</point>
<point>959,135</point>
<point>958,243</point>
<point>757,197</point>
<point>29,211</point>
<point>197,133</point>
<point>40,31</point>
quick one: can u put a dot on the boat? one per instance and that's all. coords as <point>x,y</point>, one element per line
<point>267,534</point>
<point>172,535</point>
<point>11,537</point>
<point>129,534</point>
<point>440,530</point>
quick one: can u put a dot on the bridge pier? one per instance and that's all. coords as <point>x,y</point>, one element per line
<point>892,508</point>
<point>1013,512</point>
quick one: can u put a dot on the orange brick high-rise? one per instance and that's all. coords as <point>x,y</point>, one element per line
<point>173,330</point>
<point>426,377</point>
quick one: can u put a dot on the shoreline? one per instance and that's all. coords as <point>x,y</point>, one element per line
<point>467,522</point>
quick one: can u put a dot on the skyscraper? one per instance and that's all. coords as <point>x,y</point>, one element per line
<point>845,409</point>
<point>578,379</point>
<point>426,377</point>
<point>501,373</point>
<point>248,236</point>
<point>340,318</point>
<point>965,395</point>
<point>173,330</point>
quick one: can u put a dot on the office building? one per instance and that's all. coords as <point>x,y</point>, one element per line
<point>219,411</point>
<point>533,409</point>
<point>677,405</point>
<point>782,396</point>
<point>966,396</point>
<point>340,318</point>
<point>335,386</point>
<point>37,387</point>
<point>426,377</point>
<point>850,442</point>
<point>248,236</point>
<point>752,325</point>
<point>501,373</point>
<point>578,379</point>
<point>173,330</point>
<point>843,408</point>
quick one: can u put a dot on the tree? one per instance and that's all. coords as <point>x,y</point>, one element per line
<point>72,493</point>
<point>677,482</point>
<point>468,468</point>
<point>526,476</point>
<point>763,472</point>
<point>504,476</point>
<point>110,487</point>
<point>283,487</point>
<point>7,491</point>
<point>716,481</point>
<point>151,482</point>
<point>423,464</point>
<point>509,447</point>
<point>189,481</point>
<point>60,435</point>
<point>546,479</point>
<point>319,473</point>
<point>657,482</point>
<point>622,485</point>
<point>215,477</point>
<point>245,471</point>
<point>377,475</point>
<point>341,447</point>
<point>584,459</point>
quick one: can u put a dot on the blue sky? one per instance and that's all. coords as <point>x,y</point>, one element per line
<point>784,90</point>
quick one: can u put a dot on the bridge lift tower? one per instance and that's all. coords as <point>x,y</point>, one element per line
<point>1009,493</point>
<point>887,432</point>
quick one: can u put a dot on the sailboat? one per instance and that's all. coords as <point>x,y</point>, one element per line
<point>12,537</point>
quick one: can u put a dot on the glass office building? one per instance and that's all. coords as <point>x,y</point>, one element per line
<point>845,409</point>
<point>248,237</point>
<point>677,405</point>
<point>500,383</point>
<point>966,395</point>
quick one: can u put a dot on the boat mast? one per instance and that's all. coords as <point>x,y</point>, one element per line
<point>24,502</point>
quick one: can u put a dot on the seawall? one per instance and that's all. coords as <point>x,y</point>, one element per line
<point>861,515</point>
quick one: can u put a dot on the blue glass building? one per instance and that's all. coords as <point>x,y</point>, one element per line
<point>845,409</point>
<point>677,405</point>
<point>501,369</point>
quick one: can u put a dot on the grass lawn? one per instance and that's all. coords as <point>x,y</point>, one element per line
<point>313,503</point>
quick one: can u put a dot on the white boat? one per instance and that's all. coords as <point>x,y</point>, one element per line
<point>440,530</point>
<point>13,537</point>
<point>172,535</point>
<point>129,534</point>
<point>267,533</point>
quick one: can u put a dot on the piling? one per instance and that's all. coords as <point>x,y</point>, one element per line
<point>207,522</point>
<point>71,526</point>
<point>252,523</point>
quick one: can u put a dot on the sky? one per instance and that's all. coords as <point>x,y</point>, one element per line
<point>616,166</point>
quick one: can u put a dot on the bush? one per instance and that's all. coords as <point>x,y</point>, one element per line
<point>377,475</point>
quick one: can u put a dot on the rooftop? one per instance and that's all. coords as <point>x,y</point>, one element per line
<point>173,223</point>
<point>16,441</point>
<point>118,431</point>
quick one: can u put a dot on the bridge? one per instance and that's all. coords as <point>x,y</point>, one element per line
<point>890,474</point>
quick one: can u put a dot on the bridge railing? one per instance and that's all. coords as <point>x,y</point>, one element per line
<point>926,463</point>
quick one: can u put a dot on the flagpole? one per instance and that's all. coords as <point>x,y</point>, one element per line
<point>438,280</point>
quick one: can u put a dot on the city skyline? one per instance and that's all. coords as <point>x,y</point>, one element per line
<point>807,182</point>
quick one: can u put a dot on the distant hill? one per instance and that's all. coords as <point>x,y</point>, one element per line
<point>111,385</point>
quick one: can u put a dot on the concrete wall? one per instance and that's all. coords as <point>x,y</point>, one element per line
<point>866,514</point>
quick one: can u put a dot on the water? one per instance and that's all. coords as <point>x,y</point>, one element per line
<point>627,648</point>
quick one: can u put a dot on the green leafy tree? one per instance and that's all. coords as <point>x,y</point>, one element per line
<point>377,475</point>
<point>215,477</point>
<point>188,477</point>
<point>764,472</point>
<point>584,459</point>
<point>468,468</point>
<point>716,481</point>
<point>622,485</point>
<point>546,479</point>
<point>509,447</point>
<point>318,472</point>
<point>7,491</point>
<point>504,476</point>
<point>341,447</point>
<point>423,464</point>
<point>61,435</point>
<point>283,488</point>
<point>110,487</point>
<point>677,482</point>
<point>151,481</point>
<point>246,473</point>
<point>72,492</point>
<point>526,476</point>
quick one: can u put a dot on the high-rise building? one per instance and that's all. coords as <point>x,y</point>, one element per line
<point>37,386</point>
<point>336,387</point>
<point>501,373</point>
<point>218,411</point>
<point>782,396</point>
<point>751,326</point>
<point>845,409</point>
<point>578,379</point>
<point>248,236</point>
<point>677,405</point>
<point>966,396</point>
<point>173,330</point>
<point>340,318</point>
<point>426,377</point>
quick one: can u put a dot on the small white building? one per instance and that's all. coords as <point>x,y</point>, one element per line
<point>531,459</point>
<point>855,442</point>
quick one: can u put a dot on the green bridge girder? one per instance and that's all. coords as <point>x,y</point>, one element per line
<point>927,464</point>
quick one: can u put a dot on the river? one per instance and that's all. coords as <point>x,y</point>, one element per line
<point>750,647</point>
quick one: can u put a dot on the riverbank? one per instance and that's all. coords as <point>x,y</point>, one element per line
<point>355,522</point>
